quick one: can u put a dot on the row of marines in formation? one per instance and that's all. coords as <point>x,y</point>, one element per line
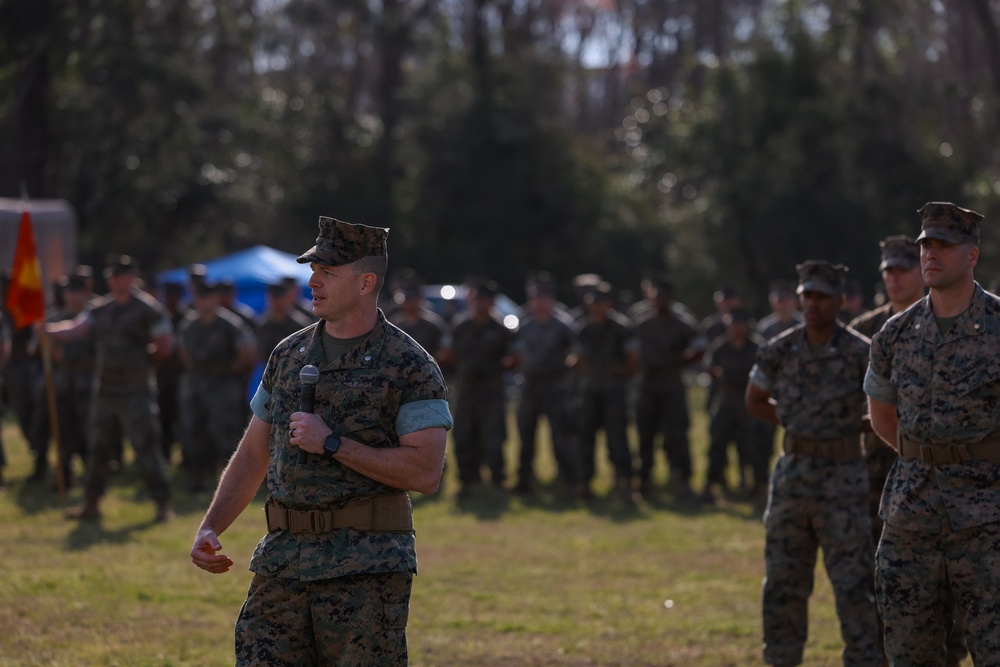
<point>575,367</point>
<point>811,380</point>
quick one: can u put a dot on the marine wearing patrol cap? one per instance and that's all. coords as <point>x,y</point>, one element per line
<point>118,265</point>
<point>342,243</point>
<point>482,286</point>
<point>781,288</point>
<point>949,223</point>
<point>816,275</point>
<point>540,284</point>
<point>899,251</point>
<point>659,282</point>
<point>600,293</point>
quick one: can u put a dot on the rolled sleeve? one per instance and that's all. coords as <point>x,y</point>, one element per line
<point>879,388</point>
<point>418,415</point>
<point>258,404</point>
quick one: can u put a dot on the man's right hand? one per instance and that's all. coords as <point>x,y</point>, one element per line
<point>205,554</point>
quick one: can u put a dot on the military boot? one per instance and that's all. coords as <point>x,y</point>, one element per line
<point>623,486</point>
<point>89,511</point>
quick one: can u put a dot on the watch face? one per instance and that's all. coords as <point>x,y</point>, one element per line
<point>332,444</point>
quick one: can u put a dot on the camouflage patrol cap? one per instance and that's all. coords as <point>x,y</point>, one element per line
<point>601,293</point>
<point>81,278</point>
<point>781,288</point>
<point>204,288</point>
<point>661,283</point>
<point>74,282</point>
<point>899,251</point>
<point>949,223</point>
<point>816,275</point>
<point>482,287</point>
<point>342,243</point>
<point>737,316</point>
<point>540,284</point>
<point>118,265</point>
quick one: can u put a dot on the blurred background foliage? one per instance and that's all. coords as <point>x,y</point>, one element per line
<point>720,140</point>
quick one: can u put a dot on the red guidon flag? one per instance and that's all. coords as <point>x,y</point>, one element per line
<point>25,301</point>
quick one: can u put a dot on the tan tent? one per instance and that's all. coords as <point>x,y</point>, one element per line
<point>54,223</point>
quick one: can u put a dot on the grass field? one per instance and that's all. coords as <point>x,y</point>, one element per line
<point>502,582</point>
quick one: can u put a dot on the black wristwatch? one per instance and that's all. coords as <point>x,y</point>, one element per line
<point>332,444</point>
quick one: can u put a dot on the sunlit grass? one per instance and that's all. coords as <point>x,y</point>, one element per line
<point>534,581</point>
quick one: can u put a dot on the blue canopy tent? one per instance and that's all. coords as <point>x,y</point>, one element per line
<point>251,270</point>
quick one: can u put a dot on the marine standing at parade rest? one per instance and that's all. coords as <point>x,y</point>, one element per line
<point>73,376</point>
<point>606,359</point>
<point>126,324</point>
<point>809,380</point>
<point>280,318</point>
<point>481,353</point>
<point>217,349</point>
<point>413,316</point>
<point>333,574</point>
<point>665,338</point>
<point>729,360</point>
<point>904,286</point>
<point>542,350</point>
<point>934,394</point>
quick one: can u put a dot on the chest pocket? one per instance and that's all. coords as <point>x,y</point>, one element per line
<point>978,399</point>
<point>912,369</point>
<point>361,406</point>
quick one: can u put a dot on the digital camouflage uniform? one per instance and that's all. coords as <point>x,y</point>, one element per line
<point>212,391</point>
<point>941,541</point>
<point>816,502</point>
<point>72,380</point>
<point>480,407</point>
<point>767,328</point>
<point>664,339</point>
<point>340,597</point>
<point>169,373</point>
<point>272,328</point>
<point>429,329</point>
<point>543,347</point>
<point>603,348</point>
<point>729,420</point>
<point>24,392</point>
<point>125,392</point>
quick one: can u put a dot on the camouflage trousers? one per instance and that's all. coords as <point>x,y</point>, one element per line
<point>354,621</point>
<point>129,410</point>
<point>879,458</point>
<point>552,400</point>
<point>796,528</point>
<point>479,433</point>
<point>664,411</point>
<point>921,578</point>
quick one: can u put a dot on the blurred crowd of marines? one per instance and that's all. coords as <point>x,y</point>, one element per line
<point>184,356</point>
<point>173,366</point>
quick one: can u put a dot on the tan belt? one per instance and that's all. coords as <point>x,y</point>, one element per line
<point>935,455</point>
<point>384,513</point>
<point>838,450</point>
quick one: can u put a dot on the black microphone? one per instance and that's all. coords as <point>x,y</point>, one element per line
<point>308,376</point>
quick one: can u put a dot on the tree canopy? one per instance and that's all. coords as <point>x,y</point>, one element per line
<point>722,142</point>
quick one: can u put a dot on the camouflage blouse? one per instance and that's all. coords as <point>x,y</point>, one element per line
<point>947,392</point>
<point>385,387</point>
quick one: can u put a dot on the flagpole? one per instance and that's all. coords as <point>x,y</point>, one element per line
<point>50,390</point>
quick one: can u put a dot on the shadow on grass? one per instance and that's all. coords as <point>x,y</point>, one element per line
<point>87,534</point>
